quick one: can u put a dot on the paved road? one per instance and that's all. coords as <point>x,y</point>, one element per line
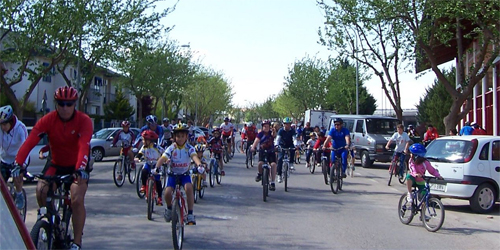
<point>309,216</point>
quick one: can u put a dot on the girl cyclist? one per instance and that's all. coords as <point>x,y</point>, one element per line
<point>418,166</point>
<point>151,153</point>
<point>216,146</point>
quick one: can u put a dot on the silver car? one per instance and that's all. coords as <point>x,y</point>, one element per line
<point>100,143</point>
<point>35,164</point>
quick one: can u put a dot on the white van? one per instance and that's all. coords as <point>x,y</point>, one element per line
<point>370,134</point>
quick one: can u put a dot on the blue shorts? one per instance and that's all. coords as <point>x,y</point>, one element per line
<point>183,178</point>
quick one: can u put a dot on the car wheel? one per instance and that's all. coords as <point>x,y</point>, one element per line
<point>483,199</point>
<point>97,154</point>
<point>365,159</point>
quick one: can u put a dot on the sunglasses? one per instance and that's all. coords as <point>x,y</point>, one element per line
<point>63,103</point>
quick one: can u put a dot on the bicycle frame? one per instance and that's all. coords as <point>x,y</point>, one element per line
<point>179,212</point>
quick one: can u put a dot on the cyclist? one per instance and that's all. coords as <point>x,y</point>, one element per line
<point>412,133</point>
<point>310,145</point>
<point>306,132</point>
<point>127,137</point>
<point>467,129</point>
<point>340,137</point>
<point>287,138</point>
<point>216,146</point>
<point>227,129</point>
<point>402,143</point>
<point>151,153</point>
<point>13,134</point>
<point>243,134</point>
<point>326,152</point>
<point>265,141</point>
<point>251,132</point>
<point>200,149</point>
<point>179,155</point>
<point>417,168</point>
<point>430,135</point>
<point>152,124</point>
<point>69,132</point>
<point>167,133</point>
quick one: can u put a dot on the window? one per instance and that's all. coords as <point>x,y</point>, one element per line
<point>359,126</point>
<point>495,154</point>
<point>48,76</point>
<point>381,126</point>
<point>484,152</point>
<point>97,83</point>
<point>349,124</point>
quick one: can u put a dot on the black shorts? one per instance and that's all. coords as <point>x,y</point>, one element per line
<point>227,138</point>
<point>271,156</point>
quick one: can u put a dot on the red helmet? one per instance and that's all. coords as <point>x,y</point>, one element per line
<point>66,94</point>
<point>149,135</point>
<point>125,124</point>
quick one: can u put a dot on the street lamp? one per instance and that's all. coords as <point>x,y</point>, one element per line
<point>357,78</point>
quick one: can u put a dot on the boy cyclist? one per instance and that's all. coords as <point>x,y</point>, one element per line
<point>200,149</point>
<point>265,141</point>
<point>216,146</point>
<point>151,153</point>
<point>179,155</point>
<point>127,137</point>
<point>309,147</point>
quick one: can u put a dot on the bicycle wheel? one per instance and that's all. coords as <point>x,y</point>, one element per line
<point>68,227</point>
<point>201,189</point>
<point>163,180</point>
<point>312,163</point>
<point>138,184</point>
<point>404,210</point>
<point>340,180</point>
<point>285,173</point>
<point>402,179</point>
<point>265,183</point>
<point>334,179</point>
<point>132,173</point>
<point>211,173</point>
<point>118,171</point>
<point>392,170</point>
<point>248,160</point>
<point>151,198</point>
<point>42,235</point>
<point>225,157</point>
<point>233,148</point>
<point>325,169</point>
<point>218,175</point>
<point>238,145</point>
<point>432,214</point>
<point>177,226</point>
<point>194,179</point>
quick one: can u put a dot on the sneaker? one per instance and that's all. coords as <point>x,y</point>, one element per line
<point>167,215</point>
<point>307,165</point>
<point>409,198</point>
<point>222,173</point>
<point>292,167</point>
<point>119,178</point>
<point>344,175</point>
<point>272,187</point>
<point>205,183</point>
<point>143,189</point>
<point>159,202</point>
<point>75,246</point>
<point>258,178</point>
<point>279,179</point>
<point>20,201</point>
<point>191,219</point>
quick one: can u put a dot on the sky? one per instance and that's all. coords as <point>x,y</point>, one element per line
<point>254,42</point>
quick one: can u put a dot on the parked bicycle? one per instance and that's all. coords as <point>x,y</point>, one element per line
<point>12,189</point>
<point>396,170</point>
<point>431,209</point>
<point>54,228</point>
<point>179,211</point>
<point>123,168</point>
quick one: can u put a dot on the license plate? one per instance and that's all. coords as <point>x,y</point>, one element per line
<point>438,187</point>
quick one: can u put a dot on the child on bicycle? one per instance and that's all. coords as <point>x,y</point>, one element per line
<point>216,144</point>
<point>179,155</point>
<point>417,168</point>
<point>200,149</point>
<point>265,141</point>
<point>319,144</point>
<point>151,153</point>
<point>127,137</point>
<point>310,145</point>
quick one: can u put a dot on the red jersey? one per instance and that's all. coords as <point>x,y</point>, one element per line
<point>69,141</point>
<point>429,136</point>
<point>479,131</point>
<point>320,142</point>
<point>251,133</point>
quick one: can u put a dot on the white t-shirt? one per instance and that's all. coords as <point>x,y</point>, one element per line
<point>12,141</point>
<point>180,157</point>
<point>310,143</point>
<point>401,140</point>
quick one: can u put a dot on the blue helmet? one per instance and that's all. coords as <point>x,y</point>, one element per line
<point>418,149</point>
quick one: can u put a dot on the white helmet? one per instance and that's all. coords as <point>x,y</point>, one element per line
<point>6,113</point>
<point>250,124</point>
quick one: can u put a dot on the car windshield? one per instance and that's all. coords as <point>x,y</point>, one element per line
<point>449,150</point>
<point>103,133</point>
<point>381,126</point>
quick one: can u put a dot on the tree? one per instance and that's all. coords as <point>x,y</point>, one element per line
<point>362,30</point>
<point>436,103</point>
<point>435,24</point>
<point>287,105</point>
<point>119,109</point>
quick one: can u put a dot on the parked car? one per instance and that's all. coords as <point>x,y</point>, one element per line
<point>470,166</point>
<point>100,143</point>
<point>35,164</point>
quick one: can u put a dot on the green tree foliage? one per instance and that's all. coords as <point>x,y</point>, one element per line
<point>119,109</point>
<point>288,105</point>
<point>436,103</point>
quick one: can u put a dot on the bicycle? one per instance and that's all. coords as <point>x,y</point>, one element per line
<point>197,180</point>
<point>163,179</point>
<point>285,170</point>
<point>241,145</point>
<point>214,173</point>
<point>179,211</point>
<point>53,228</point>
<point>298,153</point>
<point>225,152</point>
<point>336,180</point>
<point>152,195</point>
<point>395,169</point>
<point>431,209</point>
<point>123,168</point>
<point>312,161</point>
<point>12,189</point>
<point>325,164</point>
<point>250,156</point>
<point>266,172</point>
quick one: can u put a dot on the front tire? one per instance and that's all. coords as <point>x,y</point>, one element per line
<point>265,183</point>
<point>334,186</point>
<point>117,171</point>
<point>483,200</point>
<point>211,174</point>
<point>194,178</point>
<point>177,226</point>
<point>132,173</point>
<point>326,170</point>
<point>139,183</point>
<point>285,175</point>
<point>404,210</point>
<point>151,198</point>
<point>432,214</point>
<point>312,163</point>
<point>42,236</point>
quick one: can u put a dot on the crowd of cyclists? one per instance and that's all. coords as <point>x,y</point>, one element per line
<point>176,145</point>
